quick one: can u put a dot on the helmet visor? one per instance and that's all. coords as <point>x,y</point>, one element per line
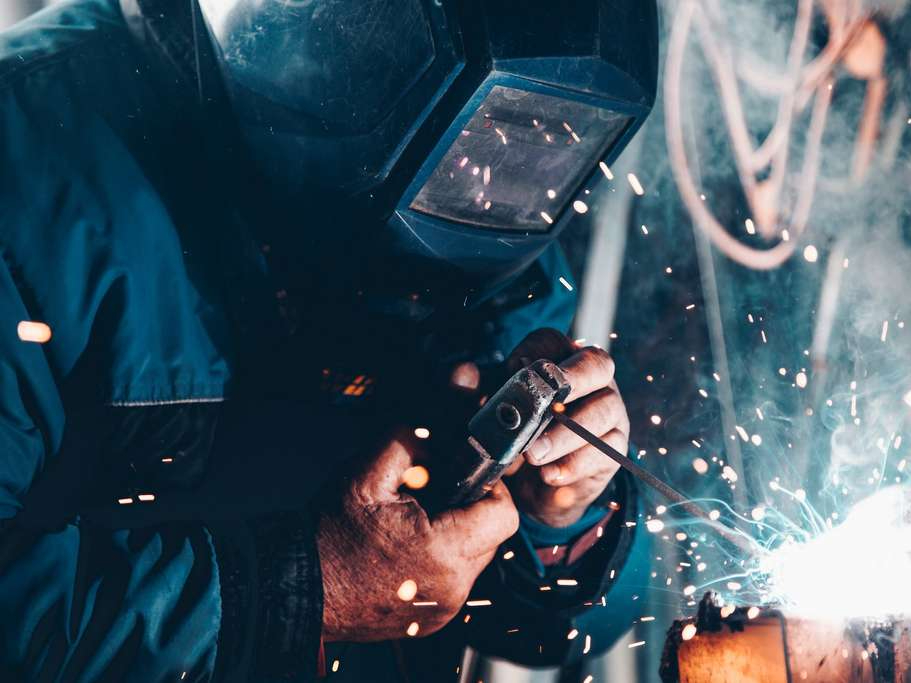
<point>519,160</point>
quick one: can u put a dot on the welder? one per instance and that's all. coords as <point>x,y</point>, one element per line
<point>255,254</point>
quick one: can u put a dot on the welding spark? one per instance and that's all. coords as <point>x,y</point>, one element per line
<point>33,331</point>
<point>810,253</point>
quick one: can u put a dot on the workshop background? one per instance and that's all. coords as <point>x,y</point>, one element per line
<point>747,262</point>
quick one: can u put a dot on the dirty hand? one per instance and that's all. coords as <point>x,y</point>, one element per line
<point>379,544</point>
<point>562,474</point>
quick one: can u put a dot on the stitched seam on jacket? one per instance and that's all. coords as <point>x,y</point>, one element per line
<point>13,73</point>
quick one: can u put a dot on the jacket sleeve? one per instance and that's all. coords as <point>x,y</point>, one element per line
<point>555,615</point>
<point>181,600</point>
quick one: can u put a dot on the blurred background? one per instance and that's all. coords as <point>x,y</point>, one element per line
<point>747,262</point>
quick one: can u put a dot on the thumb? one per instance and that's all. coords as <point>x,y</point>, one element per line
<point>381,479</point>
<point>482,526</point>
<point>466,377</point>
<point>545,342</point>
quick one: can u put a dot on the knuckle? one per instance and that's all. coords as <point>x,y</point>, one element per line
<point>606,412</point>
<point>605,362</point>
<point>512,520</point>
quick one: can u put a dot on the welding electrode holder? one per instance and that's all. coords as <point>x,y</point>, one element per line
<point>504,427</point>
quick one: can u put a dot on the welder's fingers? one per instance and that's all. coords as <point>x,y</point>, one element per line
<point>542,343</point>
<point>599,413</point>
<point>381,479</point>
<point>466,377</point>
<point>586,463</point>
<point>478,529</point>
<point>587,371</point>
<point>514,467</point>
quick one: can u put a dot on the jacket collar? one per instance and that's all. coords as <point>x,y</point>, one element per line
<point>164,30</point>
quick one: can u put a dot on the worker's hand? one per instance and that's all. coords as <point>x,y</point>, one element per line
<point>562,474</point>
<point>380,540</point>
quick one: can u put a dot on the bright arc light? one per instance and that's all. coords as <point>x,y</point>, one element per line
<point>858,569</point>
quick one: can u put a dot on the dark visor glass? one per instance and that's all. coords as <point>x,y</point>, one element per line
<point>518,161</point>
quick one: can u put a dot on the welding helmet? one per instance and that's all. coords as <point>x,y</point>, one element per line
<point>456,134</point>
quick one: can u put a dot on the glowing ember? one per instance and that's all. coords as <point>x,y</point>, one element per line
<point>810,253</point>
<point>413,629</point>
<point>546,217</point>
<point>416,477</point>
<point>606,171</point>
<point>688,632</point>
<point>656,419</point>
<point>572,634</point>
<point>422,432</point>
<point>801,379</point>
<point>32,331</point>
<point>565,283</point>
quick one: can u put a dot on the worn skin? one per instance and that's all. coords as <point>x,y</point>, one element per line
<point>561,474</point>
<point>380,537</point>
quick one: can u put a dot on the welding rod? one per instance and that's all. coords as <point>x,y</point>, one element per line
<point>643,475</point>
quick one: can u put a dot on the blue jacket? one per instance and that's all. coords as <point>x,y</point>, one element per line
<point>156,511</point>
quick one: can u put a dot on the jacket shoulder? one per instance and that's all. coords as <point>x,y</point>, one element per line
<point>96,225</point>
<point>77,30</point>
